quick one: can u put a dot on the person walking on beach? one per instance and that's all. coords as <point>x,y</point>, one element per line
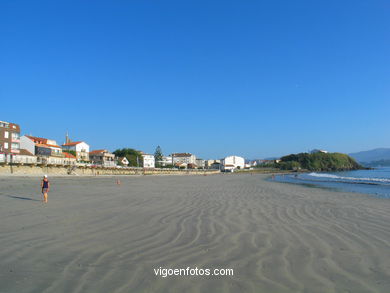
<point>45,185</point>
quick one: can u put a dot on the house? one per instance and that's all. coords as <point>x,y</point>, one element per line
<point>9,138</point>
<point>46,150</point>
<point>123,161</point>
<point>216,165</point>
<point>166,161</point>
<point>184,158</point>
<point>200,163</point>
<point>24,157</point>
<point>148,161</point>
<point>317,151</point>
<point>212,164</point>
<point>231,163</point>
<point>69,159</point>
<point>102,157</point>
<point>80,147</point>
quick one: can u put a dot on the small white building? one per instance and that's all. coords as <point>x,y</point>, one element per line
<point>318,151</point>
<point>24,157</point>
<point>231,163</point>
<point>123,161</point>
<point>81,148</point>
<point>148,161</point>
<point>166,161</point>
<point>200,163</point>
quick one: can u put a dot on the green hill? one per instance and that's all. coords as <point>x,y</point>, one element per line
<point>319,162</point>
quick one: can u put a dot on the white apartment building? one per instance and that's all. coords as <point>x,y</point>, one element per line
<point>184,158</point>
<point>232,163</point>
<point>81,148</point>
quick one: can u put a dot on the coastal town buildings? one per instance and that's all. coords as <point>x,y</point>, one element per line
<point>40,146</point>
<point>183,158</point>
<point>46,150</point>
<point>166,161</point>
<point>69,159</point>
<point>148,161</point>
<point>212,164</point>
<point>80,148</point>
<point>102,157</point>
<point>232,163</point>
<point>9,138</point>
<point>24,157</point>
<point>200,163</point>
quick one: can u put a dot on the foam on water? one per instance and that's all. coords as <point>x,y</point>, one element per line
<point>332,176</point>
<point>374,181</point>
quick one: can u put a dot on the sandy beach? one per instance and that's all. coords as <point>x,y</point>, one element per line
<point>97,236</point>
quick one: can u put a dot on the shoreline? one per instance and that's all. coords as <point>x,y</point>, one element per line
<point>372,189</point>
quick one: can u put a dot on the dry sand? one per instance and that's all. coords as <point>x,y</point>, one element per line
<point>96,236</point>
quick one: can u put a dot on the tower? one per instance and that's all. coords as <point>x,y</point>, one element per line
<point>67,140</point>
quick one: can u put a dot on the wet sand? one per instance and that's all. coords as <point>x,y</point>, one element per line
<point>97,236</point>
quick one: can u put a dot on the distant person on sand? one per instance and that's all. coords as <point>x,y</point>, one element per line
<point>45,185</point>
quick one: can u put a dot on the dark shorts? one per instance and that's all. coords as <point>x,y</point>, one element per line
<point>44,190</point>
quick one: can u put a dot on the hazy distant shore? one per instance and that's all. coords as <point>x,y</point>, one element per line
<point>97,236</point>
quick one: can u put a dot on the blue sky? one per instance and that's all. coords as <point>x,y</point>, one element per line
<point>252,78</point>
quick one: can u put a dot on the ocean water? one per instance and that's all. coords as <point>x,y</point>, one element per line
<point>375,182</point>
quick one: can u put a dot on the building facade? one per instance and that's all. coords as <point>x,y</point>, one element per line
<point>232,163</point>
<point>148,161</point>
<point>102,157</point>
<point>46,150</point>
<point>212,164</point>
<point>69,159</point>
<point>200,163</point>
<point>166,161</point>
<point>184,158</point>
<point>81,148</point>
<point>9,138</point>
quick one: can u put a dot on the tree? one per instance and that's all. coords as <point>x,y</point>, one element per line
<point>158,156</point>
<point>133,156</point>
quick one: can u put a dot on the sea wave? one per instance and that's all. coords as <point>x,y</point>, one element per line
<point>351,179</point>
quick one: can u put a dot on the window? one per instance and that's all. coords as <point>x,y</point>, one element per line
<point>6,134</point>
<point>15,146</point>
<point>6,145</point>
<point>15,135</point>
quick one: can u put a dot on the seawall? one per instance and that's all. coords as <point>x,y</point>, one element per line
<point>7,169</point>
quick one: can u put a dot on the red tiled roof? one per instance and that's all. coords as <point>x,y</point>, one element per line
<point>98,151</point>
<point>69,156</point>
<point>37,139</point>
<point>53,145</point>
<point>182,155</point>
<point>72,143</point>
